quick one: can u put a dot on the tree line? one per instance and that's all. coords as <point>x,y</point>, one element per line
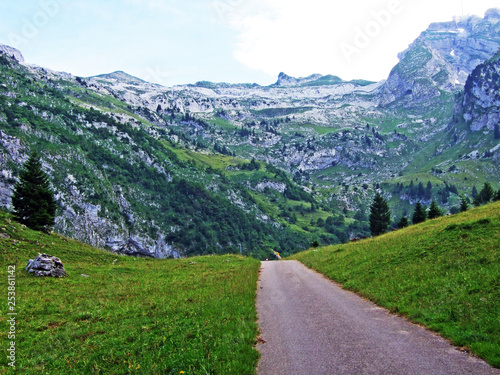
<point>380,215</point>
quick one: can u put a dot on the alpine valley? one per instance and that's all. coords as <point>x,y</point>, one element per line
<point>208,168</point>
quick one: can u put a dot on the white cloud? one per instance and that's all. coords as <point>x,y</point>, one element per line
<point>176,41</point>
<point>158,5</point>
<point>357,39</point>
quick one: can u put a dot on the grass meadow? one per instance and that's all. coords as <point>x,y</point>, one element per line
<point>129,316</point>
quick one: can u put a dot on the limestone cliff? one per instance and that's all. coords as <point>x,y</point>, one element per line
<point>441,59</point>
<point>479,104</point>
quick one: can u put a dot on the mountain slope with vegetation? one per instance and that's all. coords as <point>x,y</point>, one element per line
<point>148,170</point>
<point>444,274</point>
<point>117,315</point>
<point>120,184</point>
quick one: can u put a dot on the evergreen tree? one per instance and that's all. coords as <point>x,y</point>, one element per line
<point>496,198</point>
<point>444,196</point>
<point>463,204</point>
<point>428,191</point>
<point>420,191</point>
<point>403,223</point>
<point>368,141</point>
<point>33,198</point>
<point>434,211</point>
<point>380,216</point>
<point>486,193</point>
<point>477,201</point>
<point>497,131</point>
<point>420,214</point>
<point>474,192</point>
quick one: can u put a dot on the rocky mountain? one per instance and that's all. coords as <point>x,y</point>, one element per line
<point>204,168</point>
<point>314,80</point>
<point>124,183</point>
<point>441,59</point>
<point>479,104</point>
<point>121,77</point>
<point>286,81</point>
<point>12,52</point>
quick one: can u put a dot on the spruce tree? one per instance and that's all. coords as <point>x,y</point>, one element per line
<point>497,196</point>
<point>463,204</point>
<point>380,216</point>
<point>477,201</point>
<point>420,214</point>
<point>428,191</point>
<point>486,193</point>
<point>420,191</point>
<point>434,211</point>
<point>33,198</point>
<point>474,192</point>
<point>403,223</point>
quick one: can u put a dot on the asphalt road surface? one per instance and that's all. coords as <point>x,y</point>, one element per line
<point>311,326</point>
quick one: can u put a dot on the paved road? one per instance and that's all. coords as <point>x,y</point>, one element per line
<point>311,326</point>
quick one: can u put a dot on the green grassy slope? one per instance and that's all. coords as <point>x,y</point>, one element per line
<point>139,316</point>
<point>444,273</point>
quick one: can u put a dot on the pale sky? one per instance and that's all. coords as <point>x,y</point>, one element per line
<point>236,41</point>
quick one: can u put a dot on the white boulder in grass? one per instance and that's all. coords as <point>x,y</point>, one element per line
<point>46,265</point>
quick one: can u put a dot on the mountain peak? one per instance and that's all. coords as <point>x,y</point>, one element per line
<point>442,58</point>
<point>12,52</point>
<point>287,81</point>
<point>122,77</point>
<point>492,15</point>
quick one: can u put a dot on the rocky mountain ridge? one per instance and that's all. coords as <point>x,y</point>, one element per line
<point>479,104</point>
<point>132,160</point>
<point>119,181</point>
<point>442,58</point>
<point>12,52</point>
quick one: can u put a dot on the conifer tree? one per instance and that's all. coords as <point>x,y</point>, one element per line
<point>33,198</point>
<point>428,191</point>
<point>497,196</point>
<point>380,216</point>
<point>403,223</point>
<point>486,193</point>
<point>420,191</point>
<point>434,211</point>
<point>474,192</point>
<point>464,206</point>
<point>420,214</point>
<point>477,201</point>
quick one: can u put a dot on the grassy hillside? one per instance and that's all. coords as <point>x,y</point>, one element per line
<point>131,316</point>
<point>444,273</point>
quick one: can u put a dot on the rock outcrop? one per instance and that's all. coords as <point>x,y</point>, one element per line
<point>442,58</point>
<point>285,80</point>
<point>142,247</point>
<point>12,52</point>
<point>479,104</point>
<point>46,265</point>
